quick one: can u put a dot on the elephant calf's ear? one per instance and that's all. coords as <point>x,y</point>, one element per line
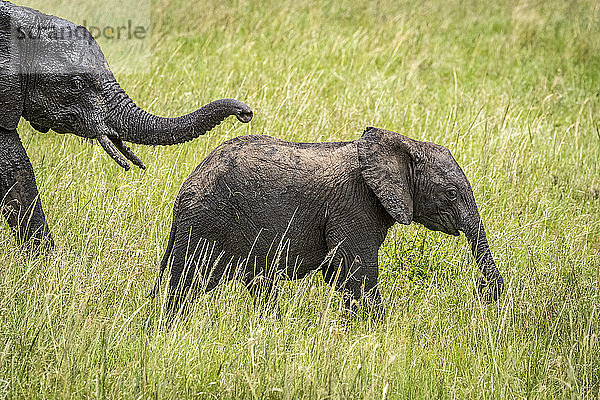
<point>384,165</point>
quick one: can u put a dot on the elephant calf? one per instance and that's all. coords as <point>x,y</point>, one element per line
<point>262,209</point>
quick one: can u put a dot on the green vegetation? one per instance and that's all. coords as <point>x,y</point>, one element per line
<point>510,87</point>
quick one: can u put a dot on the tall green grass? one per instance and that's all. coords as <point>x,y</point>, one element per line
<point>511,88</point>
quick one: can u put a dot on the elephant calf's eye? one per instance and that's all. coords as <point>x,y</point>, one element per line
<point>451,193</point>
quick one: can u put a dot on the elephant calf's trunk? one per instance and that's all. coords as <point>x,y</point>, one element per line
<point>490,287</point>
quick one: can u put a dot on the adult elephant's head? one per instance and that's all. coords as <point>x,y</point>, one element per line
<point>54,74</point>
<point>421,182</point>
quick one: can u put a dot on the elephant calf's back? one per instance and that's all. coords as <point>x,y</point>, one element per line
<point>270,162</point>
<point>259,193</point>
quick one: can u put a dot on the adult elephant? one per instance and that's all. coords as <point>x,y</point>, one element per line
<point>54,74</point>
<point>263,209</point>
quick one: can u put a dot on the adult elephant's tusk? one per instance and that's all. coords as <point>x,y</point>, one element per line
<point>112,151</point>
<point>126,151</point>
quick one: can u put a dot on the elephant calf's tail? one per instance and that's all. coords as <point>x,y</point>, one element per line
<point>165,260</point>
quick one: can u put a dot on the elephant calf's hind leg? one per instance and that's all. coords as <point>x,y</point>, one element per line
<point>19,196</point>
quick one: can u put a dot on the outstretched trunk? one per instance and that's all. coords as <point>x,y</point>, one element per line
<point>490,287</point>
<point>135,125</point>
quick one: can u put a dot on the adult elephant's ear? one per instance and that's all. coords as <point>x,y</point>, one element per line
<point>385,160</point>
<point>11,97</point>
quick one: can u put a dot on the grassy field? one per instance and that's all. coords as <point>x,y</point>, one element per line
<point>510,88</point>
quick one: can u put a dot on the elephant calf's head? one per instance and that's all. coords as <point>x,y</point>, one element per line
<point>422,182</point>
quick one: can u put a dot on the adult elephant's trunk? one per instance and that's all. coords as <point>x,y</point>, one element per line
<point>132,124</point>
<point>490,287</point>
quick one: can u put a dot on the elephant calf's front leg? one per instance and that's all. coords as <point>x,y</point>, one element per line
<point>358,283</point>
<point>19,196</point>
<point>361,286</point>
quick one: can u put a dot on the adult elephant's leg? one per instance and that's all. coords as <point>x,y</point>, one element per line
<point>19,196</point>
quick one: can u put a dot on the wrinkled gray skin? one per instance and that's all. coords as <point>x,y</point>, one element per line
<point>270,209</point>
<point>53,74</point>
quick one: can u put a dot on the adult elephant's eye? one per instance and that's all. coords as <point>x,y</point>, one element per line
<point>76,83</point>
<point>451,193</point>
